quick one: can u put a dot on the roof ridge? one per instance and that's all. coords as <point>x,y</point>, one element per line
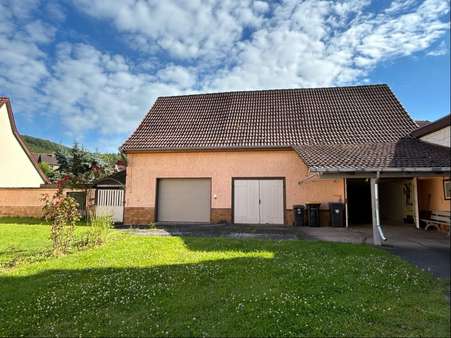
<point>278,90</point>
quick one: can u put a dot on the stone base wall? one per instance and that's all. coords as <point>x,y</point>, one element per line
<point>289,217</point>
<point>133,215</point>
<point>221,215</point>
<point>20,211</point>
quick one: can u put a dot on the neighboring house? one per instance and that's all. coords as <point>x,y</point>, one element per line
<point>422,123</point>
<point>248,157</point>
<point>17,168</point>
<point>50,159</point>
<point>120,165</point>
<point>438,132</point>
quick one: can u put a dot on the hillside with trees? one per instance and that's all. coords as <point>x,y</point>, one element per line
<point>41,146</point>
<point>75,161</point>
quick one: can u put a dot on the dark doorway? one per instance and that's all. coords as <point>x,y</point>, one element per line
<point>80,197</point>
<point>359,201</point>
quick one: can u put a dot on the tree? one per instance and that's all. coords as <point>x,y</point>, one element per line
<point>47,170</point>
<point>77,167</point>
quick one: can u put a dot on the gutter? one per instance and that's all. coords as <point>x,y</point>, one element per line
<point>381,170</point>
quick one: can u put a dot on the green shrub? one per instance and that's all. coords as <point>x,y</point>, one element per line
<point>62,211</point>
<point>99,230</point>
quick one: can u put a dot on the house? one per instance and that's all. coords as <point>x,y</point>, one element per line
<point>248,157</point>
<point>50,159</point>
<point>422,123</point>
<point>120,165</point>
<point>19,171</point>
<point>438,132</point>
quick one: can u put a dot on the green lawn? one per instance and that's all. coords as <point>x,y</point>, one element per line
<point>205,286</point>
<point>25,240</point>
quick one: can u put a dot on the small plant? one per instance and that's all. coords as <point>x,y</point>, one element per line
<point>100,229</point>
<point>98,232</point>
<point>62,211</point>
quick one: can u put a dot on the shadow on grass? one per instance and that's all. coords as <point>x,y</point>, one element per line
<point>224,297</point>
<point>22,220</point>
<point>33,221</point>
<point>222,287</point>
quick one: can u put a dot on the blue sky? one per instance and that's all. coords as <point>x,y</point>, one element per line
<point>89,70</point>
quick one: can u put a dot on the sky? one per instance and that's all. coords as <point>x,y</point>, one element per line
<point>89,70</point>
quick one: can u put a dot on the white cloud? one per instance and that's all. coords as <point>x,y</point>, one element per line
<point>440,50</point>
<point>40,32</point>
<point>55,11</point>
<point>302,45</point>
<point>288,44</point>
<point>22,62</point>
<point>186,29</point>
<point>98,91</point>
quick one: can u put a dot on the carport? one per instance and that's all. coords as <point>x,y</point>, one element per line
<point>387,196</point>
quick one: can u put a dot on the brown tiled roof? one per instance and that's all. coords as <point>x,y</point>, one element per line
<point>407,153</point>
<point>48,158</point>
<point>341,115</point>
<point>324,118</point>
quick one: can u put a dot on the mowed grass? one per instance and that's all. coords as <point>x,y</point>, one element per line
<point>174,286</point>
<point>25,240</point>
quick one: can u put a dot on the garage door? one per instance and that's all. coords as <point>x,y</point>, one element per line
<point>258,201</point>
<point>183,200</point>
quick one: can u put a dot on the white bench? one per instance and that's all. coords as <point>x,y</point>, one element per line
<point>437,218</point>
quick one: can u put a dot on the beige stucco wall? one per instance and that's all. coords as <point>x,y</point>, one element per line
<point>28,201</point>
<point>16,169</point>
<point>144,168</point>
<point>441,137</point>
<point>431,195</point>
<point>23,197</point>
<point>22,202</point>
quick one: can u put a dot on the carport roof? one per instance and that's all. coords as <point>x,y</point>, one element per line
<point>408,154</point>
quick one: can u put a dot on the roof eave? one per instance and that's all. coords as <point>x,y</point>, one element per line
<point>329,170</point>
<point>200,149</point>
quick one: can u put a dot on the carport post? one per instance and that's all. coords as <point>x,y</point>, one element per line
<point>375,210</point>
<point>346,202</point>
<point>415,202</point>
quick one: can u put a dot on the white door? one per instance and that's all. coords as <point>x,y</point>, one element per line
<point>258,201</point>
<point>247,208</point>
<point>271,201</point>
<point>110,202</point>
<point>184,200</point>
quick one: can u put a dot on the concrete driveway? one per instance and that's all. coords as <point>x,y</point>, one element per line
<point>429,251</point>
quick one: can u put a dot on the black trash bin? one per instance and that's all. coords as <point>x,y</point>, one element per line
<point>313,214</point>
<point>336,214</point>
<point>298,216</point>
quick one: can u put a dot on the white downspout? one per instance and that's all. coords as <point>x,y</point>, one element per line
<point>378,235</point>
